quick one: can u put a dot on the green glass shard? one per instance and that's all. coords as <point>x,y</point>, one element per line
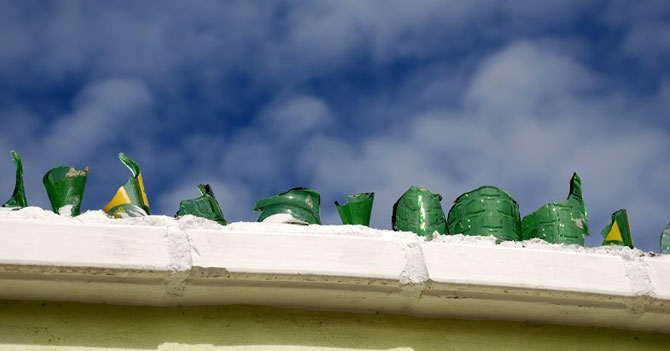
<point>357,210</point>
<point>485,211</point>
<point>665,240</point>
<point>418,210</point>
<point>303,204</point>
<point>65,187</point>
<point>559,222</point>
<point>617,232</point>
<point>205,206</point>
<point>130,199</point>
<point>18,199</point>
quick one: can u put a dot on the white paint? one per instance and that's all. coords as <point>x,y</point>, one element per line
<point>298,253</point>
<point>94,246</point>
<point>658,269</point>
<point>526,268</point>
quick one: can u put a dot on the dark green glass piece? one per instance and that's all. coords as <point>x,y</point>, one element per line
<point>65,187</point>
<point>418,210</point>
<point>205,206</point>
<point>357,210</point>
<point>301,203</point>
<point>130,199</point>
<point>18,199</point>
<point>617,232</point>
<point>559,222</point>
<point>665,240</point>
<point>486,211</point>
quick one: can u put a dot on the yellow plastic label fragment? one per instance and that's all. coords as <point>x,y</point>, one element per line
<point>121,197</point>
<point>614,234</point>
<point>144,195</point>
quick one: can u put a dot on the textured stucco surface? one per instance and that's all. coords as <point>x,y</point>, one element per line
<point>29,325</point>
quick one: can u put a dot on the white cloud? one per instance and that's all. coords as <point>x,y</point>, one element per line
<point>294,118</point>
<point>102,112</point>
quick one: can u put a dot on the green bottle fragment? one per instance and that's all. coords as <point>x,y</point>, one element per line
<point>65,187</point>
<point>130,199</point>
<point>665,240</point>
<point>357,210</point>
<point>485,211</point>
<point>18,199</point>
<point>617,232</point>
<point>205,206</point>
<point>562,222</point>
<point>302,205</point>
<point>418,210</point>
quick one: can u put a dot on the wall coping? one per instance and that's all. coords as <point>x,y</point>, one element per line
<point>161,261</point>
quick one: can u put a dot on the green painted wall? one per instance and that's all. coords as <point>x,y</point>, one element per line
<point>61,326</point>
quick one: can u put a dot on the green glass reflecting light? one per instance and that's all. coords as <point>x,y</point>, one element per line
<point>204,206</point>
<point>130,199</point>
<point>485,211</point>
<point>303,204</point>
<point>559,222</point>
<point>617,232</point>
<point>418,210</point>
<point>65,187</point>
<point>18,199</point>
<point>357,210</point>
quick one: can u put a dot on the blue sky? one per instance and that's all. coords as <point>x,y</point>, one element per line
<point>256,97</point>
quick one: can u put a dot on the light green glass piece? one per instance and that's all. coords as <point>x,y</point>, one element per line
<point>205,206</point>
<point>617,232</point>
<point>357,210</point>
<point>301,203</point>
<point>18,199</point>
<point>559,222</point>
<point>418,210</point>
<point>486,211</point>
<point>65,187</point>
<point>665,240</point>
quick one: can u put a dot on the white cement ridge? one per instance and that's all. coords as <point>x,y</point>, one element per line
<point>159,260</point>
<point>34,237</point>
<point>415,271</point>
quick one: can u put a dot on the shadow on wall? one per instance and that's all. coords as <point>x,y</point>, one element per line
<point>183,328</point>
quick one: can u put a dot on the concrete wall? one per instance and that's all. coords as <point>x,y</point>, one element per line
<point>29,325</point>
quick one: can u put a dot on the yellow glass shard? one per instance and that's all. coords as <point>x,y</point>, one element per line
<point>121,197</point>
<point>144,195</point>
<point>614,234</point>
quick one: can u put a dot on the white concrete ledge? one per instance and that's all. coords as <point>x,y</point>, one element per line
<point>526,268</point>
<point>161,261</point>
<point>298,254</point>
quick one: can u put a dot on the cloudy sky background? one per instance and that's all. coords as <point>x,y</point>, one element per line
<point>345,97</point>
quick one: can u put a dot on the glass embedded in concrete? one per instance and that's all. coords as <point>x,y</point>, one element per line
<point>130,199</point>
<point>486,211</point>
<point>357,210</point>
<point>562,222</point>
<point>617,232</point>
<point>419,210</point>
<point>204,206</point>
<point>65,188</point>
<point>18,199</point>
<point>299,205</point>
